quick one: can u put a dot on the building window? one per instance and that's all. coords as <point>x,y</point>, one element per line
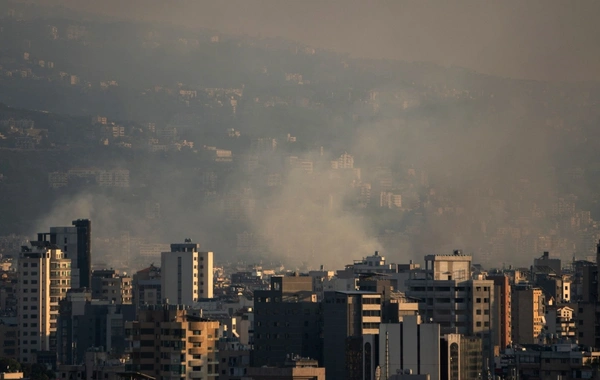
<point>478,300</point>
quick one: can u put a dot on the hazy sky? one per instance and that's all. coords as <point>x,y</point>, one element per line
<point>534,39</point>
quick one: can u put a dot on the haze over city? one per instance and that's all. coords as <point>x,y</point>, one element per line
<point>268,189</point>
<point>476,161</point>
<point>541,40</point>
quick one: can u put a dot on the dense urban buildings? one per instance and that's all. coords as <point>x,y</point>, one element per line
<point>453,319</point>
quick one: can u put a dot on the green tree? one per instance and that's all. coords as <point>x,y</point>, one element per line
<point>9,365</point>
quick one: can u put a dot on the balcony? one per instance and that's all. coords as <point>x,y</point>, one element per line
<point>195,362</point>
<point>195,339</point>
<point>366,319</point>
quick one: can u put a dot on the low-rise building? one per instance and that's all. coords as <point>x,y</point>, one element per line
<point>295,368</point>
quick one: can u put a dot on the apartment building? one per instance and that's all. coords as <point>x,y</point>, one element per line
<point>287,319</point>
<point>186,274</point>
<point>9,339</point>
<point>147,287</point>
<point>528,323</point>
<point>167,343</point>
<point>111,285</point>
<point>350,323</point>
<point>86,323</point>
<point>449,295</point>
<point>502,310</point>
<point>44,278</point>
<point>75,242</point>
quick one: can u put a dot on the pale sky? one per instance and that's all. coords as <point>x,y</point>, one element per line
<point>532,39</point>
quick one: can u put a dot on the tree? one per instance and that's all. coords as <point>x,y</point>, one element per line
<point>9,365</point>
<point>37,372</point>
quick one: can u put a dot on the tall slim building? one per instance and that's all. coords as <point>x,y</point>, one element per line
<point>350,323</point>
<point>186,274</point>
<point>502,311</point>
<point>76,244</point>
<point>528,322</point>
<point>44,278</point>
<point>83,228</point>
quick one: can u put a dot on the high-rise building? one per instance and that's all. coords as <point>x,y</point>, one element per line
<point>350,323</point>
<point>450,296</point>
<point>168,343</point>
<point>287,320</point>
<point>44,278</point>
<point>76,244</point>
<point>502,311</point>
<point>110,285</point>
<point>186,274</point>
<point>528,322</point>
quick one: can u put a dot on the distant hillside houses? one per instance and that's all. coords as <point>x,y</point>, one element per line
<point>107,178</point>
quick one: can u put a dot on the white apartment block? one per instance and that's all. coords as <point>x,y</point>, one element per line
<point>44,278</point>
<point>186,274</point>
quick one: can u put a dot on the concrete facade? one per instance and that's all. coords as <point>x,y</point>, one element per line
<point>44,278</point>
<point>186,274</point>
